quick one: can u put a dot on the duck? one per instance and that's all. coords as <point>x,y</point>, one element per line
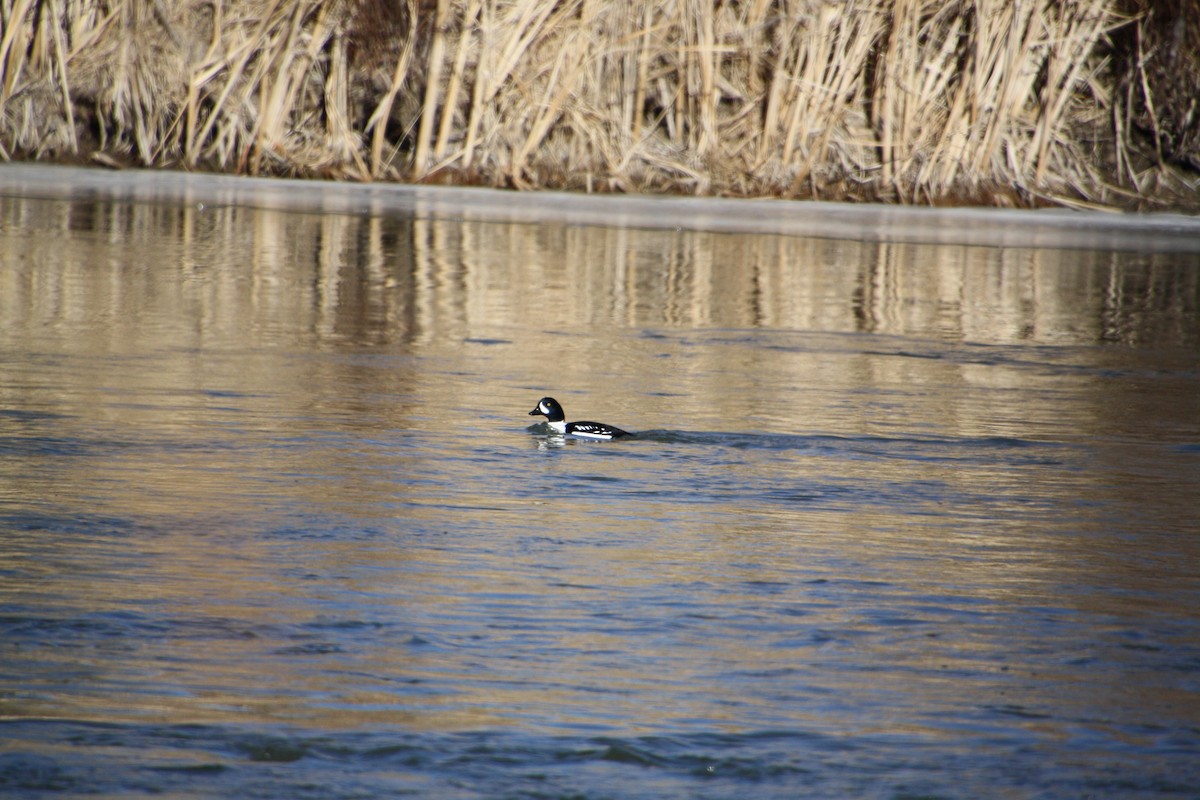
<point>553,412</point>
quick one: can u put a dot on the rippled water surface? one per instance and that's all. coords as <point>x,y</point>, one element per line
<point>900,520</point>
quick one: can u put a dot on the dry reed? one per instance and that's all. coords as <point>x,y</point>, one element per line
<point>907,100</point>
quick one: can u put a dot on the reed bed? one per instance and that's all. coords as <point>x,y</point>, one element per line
<point>917,101</point>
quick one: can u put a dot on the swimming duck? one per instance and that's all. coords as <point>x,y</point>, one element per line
<point>553,412</point>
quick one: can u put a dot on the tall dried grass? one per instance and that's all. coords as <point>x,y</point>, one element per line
<point>904,100</point>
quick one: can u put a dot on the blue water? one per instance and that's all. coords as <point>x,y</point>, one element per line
<point>276,524</point>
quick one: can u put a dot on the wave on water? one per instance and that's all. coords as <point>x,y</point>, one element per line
<point>44,757</point>
<point>921,448</point>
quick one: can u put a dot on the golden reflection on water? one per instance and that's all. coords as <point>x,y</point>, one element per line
<point>175,284</point>
<point>199,275</point>
<point>182,353</point>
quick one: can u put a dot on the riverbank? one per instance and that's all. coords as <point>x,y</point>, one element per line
<point>872,222</point>
<point>918,103</point>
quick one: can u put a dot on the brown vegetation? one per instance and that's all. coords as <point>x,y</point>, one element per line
<point>912,101</point>
<point>1161,76</point>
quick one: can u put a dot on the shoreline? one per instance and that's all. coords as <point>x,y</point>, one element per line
<point>966,226</point>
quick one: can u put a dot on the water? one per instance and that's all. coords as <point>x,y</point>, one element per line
<point>901,520</point>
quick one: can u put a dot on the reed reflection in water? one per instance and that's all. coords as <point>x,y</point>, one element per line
<point>900,518</point>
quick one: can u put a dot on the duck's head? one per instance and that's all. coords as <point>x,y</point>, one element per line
<point>550,409</point>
